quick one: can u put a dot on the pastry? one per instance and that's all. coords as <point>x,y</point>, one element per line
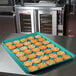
<point>36,50</point>
<point>61,53</point>
<point>31,56</point>
<point>44,57</point>
<point>42,39</point>
<point>27,51</point>
<point>28,63</point>
<point>36,60</point>
<point>19,45</point>
<point>53,55</point>
<point>30,38</point>
<point>33,68</point>
<point>50,45</point>
<point>23,48</point>
<point>15,50</point>
<point>34,41</point>
<point>9,44</point>
<point>12,47</point>
<point>41,65</point>
<point>47,51</point>
<point>66,57</point>
<point>23,58</point>
<point>16,41</point>
<point>55,49</point>
<point>31,46</point>
<point>23,40</point>
<point>38,36</point>
<point>38,43</point>
<point>40,53</point>
<point>58,59</point>
<point>42,47</point>
<point>19,54</point>
<point>50,62</point>
<point>27,43</point>
<point>46,42</point>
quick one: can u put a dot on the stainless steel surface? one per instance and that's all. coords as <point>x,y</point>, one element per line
<point>8,65</point>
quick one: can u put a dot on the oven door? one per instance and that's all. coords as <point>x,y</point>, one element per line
<point>47,21</point>
<point>6,2</point>
<point>25,21</point>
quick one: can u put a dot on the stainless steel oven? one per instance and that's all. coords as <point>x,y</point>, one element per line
<point>25,20</point>
<point>47,21</point>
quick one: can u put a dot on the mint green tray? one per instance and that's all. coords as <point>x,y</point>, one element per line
<point>20,63</point>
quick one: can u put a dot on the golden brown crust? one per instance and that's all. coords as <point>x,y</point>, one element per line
<point>19,45</point>
<point>42,47</point>
<point>42,39</point>
<point>38,43</point>
<point>55,49</point>
<point>19,54</point>
<point>15,50</point>
<point>36,50</point>
<point>61,53</point>
<point>12,47</point>
<point>40,53</point>
<point>46,42</point>
<point>38,36</point>
<point>27,51</point>
<point>36,60</point>
<point>9,44</point>
<point>50,62</point>
<point>53,55</point>
<point>30,38</point>
<point>16,41</point>
<point>27,43</point>
<point>34,41</point>
<point>58,59</point>
<point>47,51</point>
<point>23,58</point>
<point>50,45</point>
<point>44,57</point>
<point>23,48</point>
<point>28,63</point>
<point>66,57</point>
<point>33,68</point>
<point>31,46</point>
<point>31,56</point>
<point>23,40</point>
<point>41,65</point>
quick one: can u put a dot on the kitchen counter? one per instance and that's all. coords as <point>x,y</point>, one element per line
<point>8,66</point>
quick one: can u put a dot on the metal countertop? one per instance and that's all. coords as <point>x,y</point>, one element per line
<point>8,66</point>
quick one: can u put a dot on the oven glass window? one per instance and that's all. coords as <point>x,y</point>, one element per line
<point>46,23</point>
<point>4,1</point>
<point>25,21</point>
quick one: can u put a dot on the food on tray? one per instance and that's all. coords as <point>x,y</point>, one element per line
<point>36,50</point>
<point>27,43</point>
<point>34,41</point>
<point>9,44</point>
<point>38,36</point>
<point>31,56</point>
<point>46,42</point>
<point>19,45</point>
<point>50,45</point>
<point>16,41</point>
<point>38,43</point>
<point>42,47</point>
<point>58,59</point>
<point>42,39</point>
<point>31,46</point>
<point>40,53</point>
<point>61,53</point>
<point>66,57</point>
<point>15,50</point>
<point>19,54</point>
<point>33,68</point>
<point>55,49</point>
<point>27,51</point>
<point>47,51</point>
<point>30,38</point>
<point>53,55</point>
<point>12,47</point>
<point>28,63</point>
<point>41,65</point>
<point>50,62</point>
<point>23,40</point>
<point>23,58</point>
<point>45,57</point>
<point>23,48</point>
<point>36,60</point>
